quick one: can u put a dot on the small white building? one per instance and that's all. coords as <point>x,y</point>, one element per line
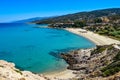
<point>83,31</point>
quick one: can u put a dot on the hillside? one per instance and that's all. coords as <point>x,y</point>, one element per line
<point>95,64</point>
<point>29,20</point>
<point>81,16</point>
<point>104,22</point>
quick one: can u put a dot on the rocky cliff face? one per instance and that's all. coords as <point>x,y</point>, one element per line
<point>100,64</point>
<point>9,72</point>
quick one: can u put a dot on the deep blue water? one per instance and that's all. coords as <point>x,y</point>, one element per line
<point>31,48</point>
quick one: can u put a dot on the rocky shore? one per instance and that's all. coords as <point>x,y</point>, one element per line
<point>84,64</point>
<point>88,63</point>
<point>9,72</point>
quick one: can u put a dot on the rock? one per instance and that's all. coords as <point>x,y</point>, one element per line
<point>9,72</point>
<point>22,79</point>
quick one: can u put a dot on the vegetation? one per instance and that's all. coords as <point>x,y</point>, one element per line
<point>18,71</point>
<point>97,20</point>
<point>117,57</point>
<point>100,49</point>
<point>112,68</point>
<point>1,66</point>
<point>80,24</point>
<point>111,31</point>
<point>80,16</point>
<point>104,22</point>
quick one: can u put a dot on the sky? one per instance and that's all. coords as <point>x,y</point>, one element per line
<point>12,10</point>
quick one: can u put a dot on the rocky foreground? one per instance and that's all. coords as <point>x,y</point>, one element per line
<point>9,72</point>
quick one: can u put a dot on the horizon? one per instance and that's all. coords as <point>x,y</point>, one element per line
<point>24,9</point>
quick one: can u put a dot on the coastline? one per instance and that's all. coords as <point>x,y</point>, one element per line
<point>66,73</point>
<point>95,38</point>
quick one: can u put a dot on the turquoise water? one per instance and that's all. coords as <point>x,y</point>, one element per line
<point>31,48</point>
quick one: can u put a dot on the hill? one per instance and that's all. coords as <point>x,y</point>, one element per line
<point>104,22</point>
<point>81,16</point>
<point>29,20</point>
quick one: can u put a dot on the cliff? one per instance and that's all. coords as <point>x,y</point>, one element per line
<point>9,72</point>
<point>102,63</point>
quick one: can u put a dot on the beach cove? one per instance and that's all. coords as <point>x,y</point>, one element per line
<point>26,46</point>
<point>97,39</point>
<point>65,73</point>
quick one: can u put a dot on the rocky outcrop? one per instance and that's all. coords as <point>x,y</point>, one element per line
<point>90,63</point>
<point>9,72</point>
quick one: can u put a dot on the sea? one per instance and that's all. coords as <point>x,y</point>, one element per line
<point>37,48</point>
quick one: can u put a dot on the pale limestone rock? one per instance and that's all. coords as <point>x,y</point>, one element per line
<point>9,72</point>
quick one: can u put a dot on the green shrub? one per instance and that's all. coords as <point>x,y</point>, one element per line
<point>1,66</point>
<point>111,71</point>
<point>117,57</point>
<point>18,71</point>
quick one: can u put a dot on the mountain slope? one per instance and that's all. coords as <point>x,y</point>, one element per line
<point>30,20</point>
<point>81,16</point>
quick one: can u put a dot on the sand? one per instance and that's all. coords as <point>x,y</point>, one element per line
<point>66,74</point>
<point>96,38</point>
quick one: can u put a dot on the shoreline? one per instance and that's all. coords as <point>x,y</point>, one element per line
<point>66,74</point>
<point>63,74</point>
<point>95,38</point>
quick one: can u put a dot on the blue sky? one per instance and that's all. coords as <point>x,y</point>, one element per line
<point>11,10</point>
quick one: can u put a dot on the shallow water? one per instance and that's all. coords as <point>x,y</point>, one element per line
<point>30,47</point>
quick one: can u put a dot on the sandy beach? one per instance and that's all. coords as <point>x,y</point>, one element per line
<point>96,38</point>
<point>66,74</point>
